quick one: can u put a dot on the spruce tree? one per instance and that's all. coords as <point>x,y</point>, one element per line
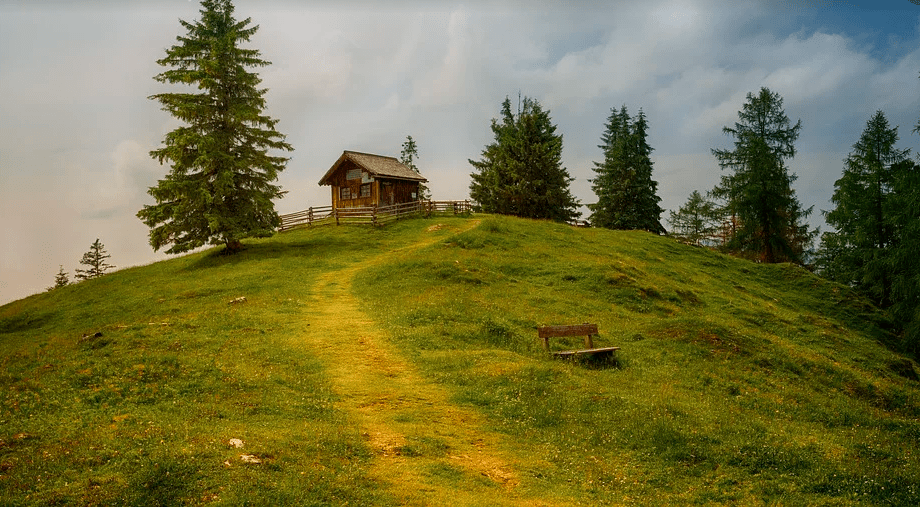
<point>627,196</point>
<point>492,187</point>
<point>95,259</point>
<point>521,172</point>
<point>407,156</point>
<point>876,241</point>
<point>904,212</point>
<point>612,207</point>
<point>864,235</point>
<point>766,215</point>
<point>60,279</point>
<point>220,185</point>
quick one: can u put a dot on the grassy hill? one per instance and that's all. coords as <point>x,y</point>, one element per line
<point>401,365</point>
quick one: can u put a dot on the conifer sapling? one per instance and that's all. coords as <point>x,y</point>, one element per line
<point>60,279</point>
<point>95,259</point>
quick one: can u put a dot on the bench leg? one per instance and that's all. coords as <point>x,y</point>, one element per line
<point>588,342</point>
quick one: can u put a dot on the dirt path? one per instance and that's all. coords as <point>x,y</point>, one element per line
<point>428,451</point>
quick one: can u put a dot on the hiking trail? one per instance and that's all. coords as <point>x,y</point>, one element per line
<point>427,450</point>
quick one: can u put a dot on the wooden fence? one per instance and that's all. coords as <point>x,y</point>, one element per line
<point>371,215</point>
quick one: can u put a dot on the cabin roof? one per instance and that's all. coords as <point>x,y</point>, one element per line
<point>377,165</point>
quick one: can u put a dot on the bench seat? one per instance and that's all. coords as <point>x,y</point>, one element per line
<point>573,353</point>
<point>586,330</point>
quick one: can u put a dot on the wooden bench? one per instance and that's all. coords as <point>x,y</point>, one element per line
<point>586,330</point>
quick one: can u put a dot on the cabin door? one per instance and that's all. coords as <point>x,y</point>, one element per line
<point>389,194</point>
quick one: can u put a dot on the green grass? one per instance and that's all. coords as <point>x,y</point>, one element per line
<point>736,382</point>
<point>142,414</point>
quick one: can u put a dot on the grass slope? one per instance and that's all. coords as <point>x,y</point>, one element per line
<point>736,382</point>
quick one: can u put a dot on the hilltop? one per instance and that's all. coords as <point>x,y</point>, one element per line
<point>401,365</point>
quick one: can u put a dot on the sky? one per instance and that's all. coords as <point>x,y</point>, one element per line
<point>76,124</point>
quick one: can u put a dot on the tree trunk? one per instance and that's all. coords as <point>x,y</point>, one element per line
<point>233,246</point>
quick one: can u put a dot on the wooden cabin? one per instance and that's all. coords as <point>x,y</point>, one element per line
<point>362,179</point>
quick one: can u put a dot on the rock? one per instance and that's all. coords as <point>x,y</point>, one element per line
<point>90,336</point>
<point>235,442</point>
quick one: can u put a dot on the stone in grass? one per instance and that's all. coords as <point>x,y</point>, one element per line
<point>235,442</point>
<point>251,459</point>
<point>235,301</point>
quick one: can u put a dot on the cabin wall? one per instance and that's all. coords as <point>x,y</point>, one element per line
<point>339,180</point>
<point>398,192</point>
<point>381,192</point>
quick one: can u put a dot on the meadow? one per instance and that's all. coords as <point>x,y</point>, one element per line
<point>401,366</point>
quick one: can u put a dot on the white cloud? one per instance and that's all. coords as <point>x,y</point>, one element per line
<point>121,188</point>
<point>448,84</point>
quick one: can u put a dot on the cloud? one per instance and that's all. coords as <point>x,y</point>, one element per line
<point>449,80</point>
<point>121,189</point>
<point>324,67</point>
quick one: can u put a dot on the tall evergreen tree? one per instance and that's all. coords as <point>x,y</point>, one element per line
<point>610,184</point>
<point>95,259</point>
<point>766,215</point>
<point>219,189</point>
<point>521,172</point>
<point>904,210</point>
<point>876,243</point>
<point>858,252</point>
<point>407,156</point>
<point>627,195</point>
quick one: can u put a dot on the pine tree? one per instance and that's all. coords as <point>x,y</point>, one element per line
<point>858,252</point>
<point>904,213</point>
<point>877,219</point>
<point>627,194</point>
<point>697,221</point>
<point>492,187</point>
<point>95,259</point>
<point>521,172</point>
<point>60,279</point>
<point>609,185</point>
<point>646,189</point>
<point>219,189</point>
<point>407,157</point>
<point>766,215</point>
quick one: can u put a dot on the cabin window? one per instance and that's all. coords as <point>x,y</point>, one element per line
<point>366,190</point>
<point>344,193</point>
<point>353,174</point>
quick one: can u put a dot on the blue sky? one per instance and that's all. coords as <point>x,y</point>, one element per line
<point>76,126</point>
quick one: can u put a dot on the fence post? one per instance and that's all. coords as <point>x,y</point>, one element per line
<point>310,216</point>
<point>335,213</point>
<point>374,215</point>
